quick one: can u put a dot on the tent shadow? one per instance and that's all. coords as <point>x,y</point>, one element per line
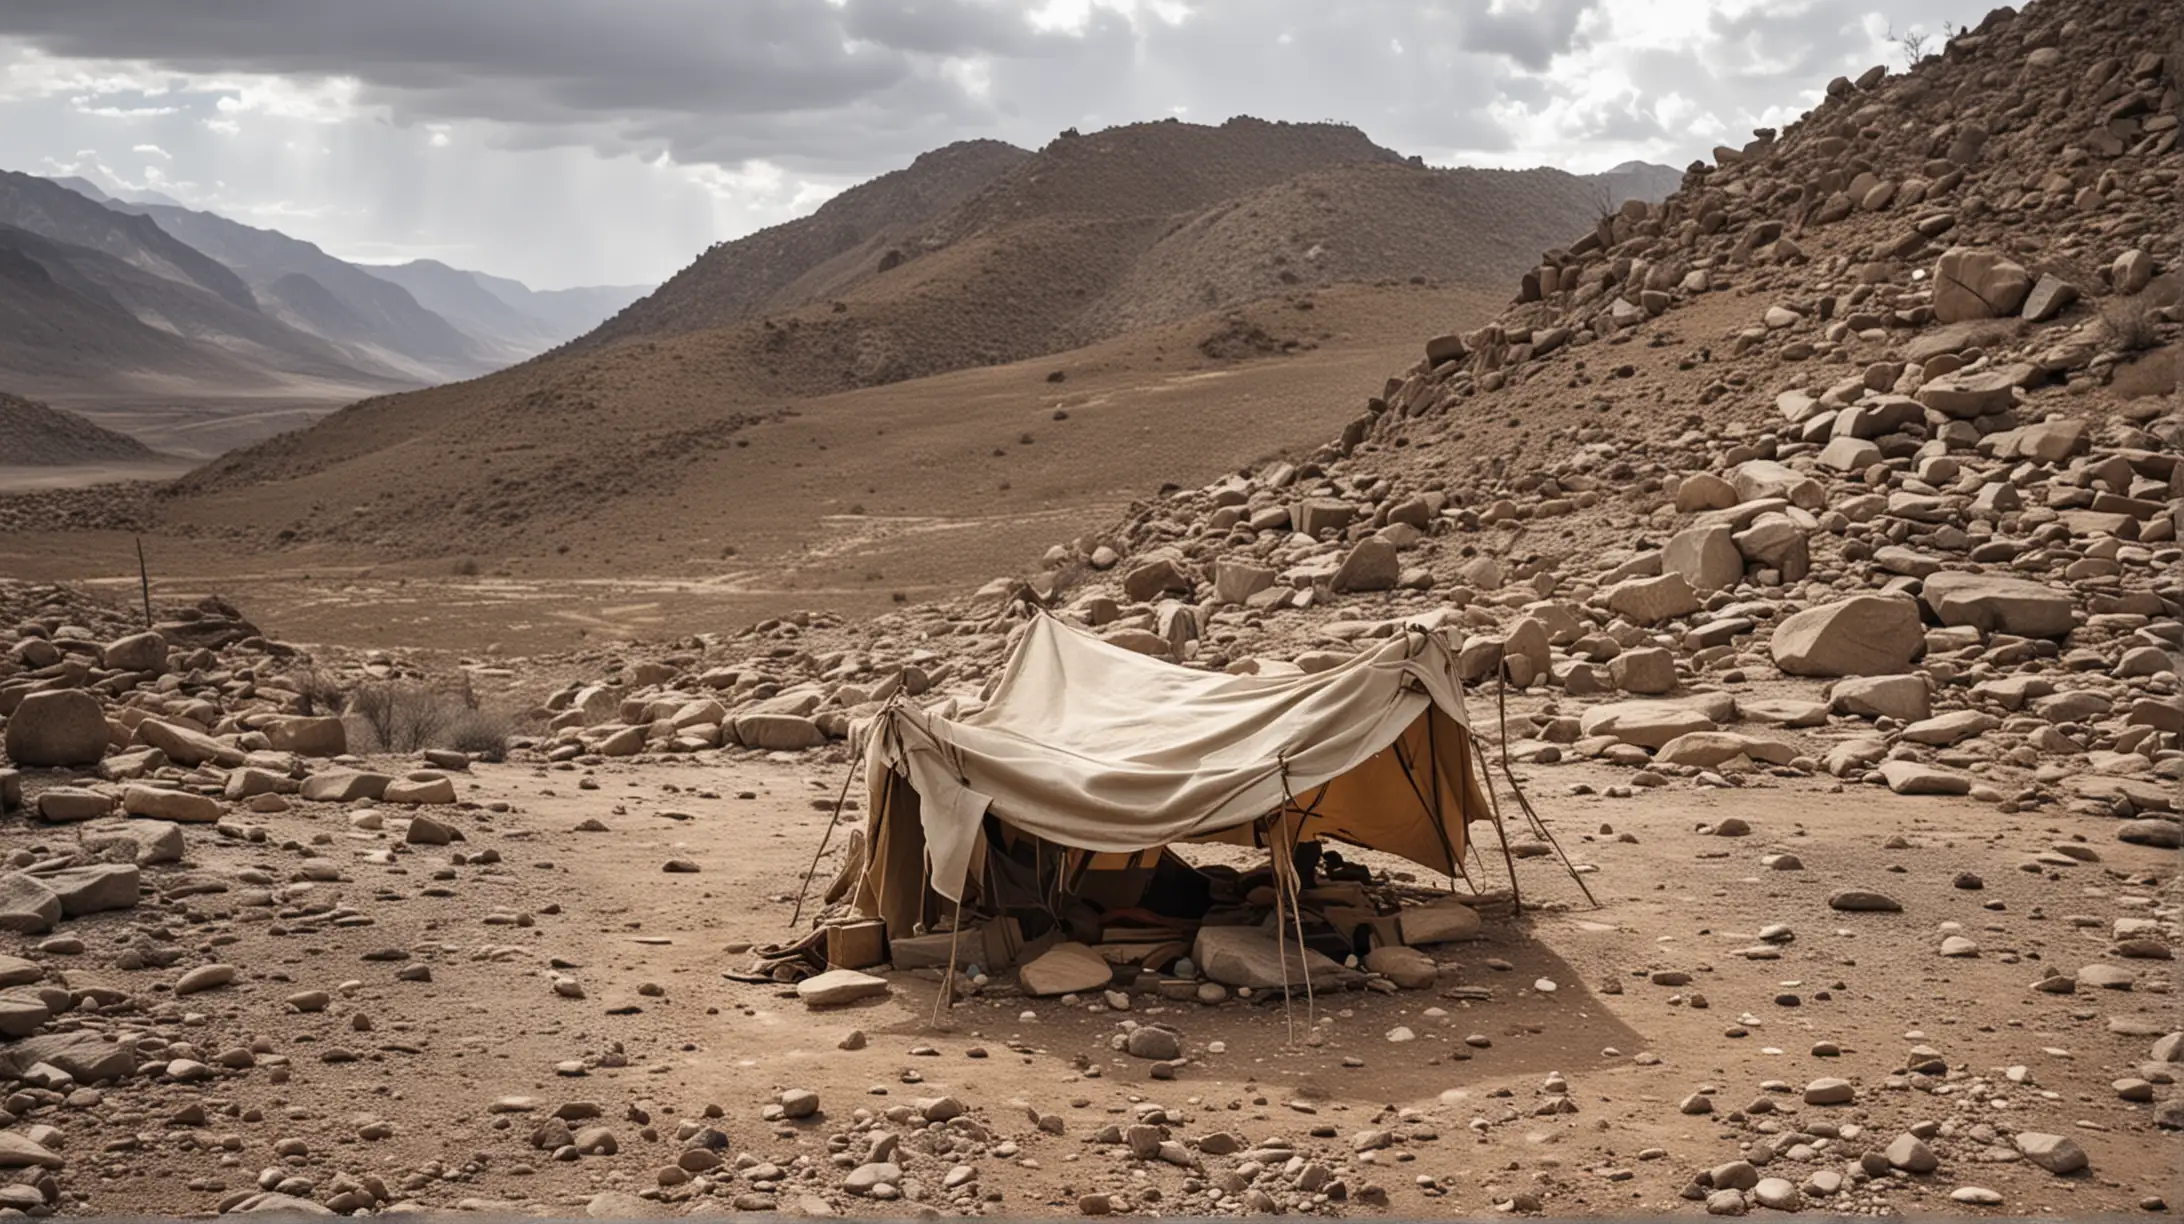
<point>1474,1047</point>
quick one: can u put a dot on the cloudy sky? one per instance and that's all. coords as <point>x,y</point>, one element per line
<point>609,141</point>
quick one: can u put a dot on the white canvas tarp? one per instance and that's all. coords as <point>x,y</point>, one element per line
<point>1088,745</point>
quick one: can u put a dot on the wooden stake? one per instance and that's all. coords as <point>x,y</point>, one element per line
<point>144,580</point>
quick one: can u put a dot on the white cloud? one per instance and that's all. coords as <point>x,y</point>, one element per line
<point>611,140</point>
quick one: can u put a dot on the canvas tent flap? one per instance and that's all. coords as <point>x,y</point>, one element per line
<point>1091,746</point>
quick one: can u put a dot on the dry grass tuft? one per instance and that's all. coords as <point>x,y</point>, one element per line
<point>411,715</point>
<point>2131,324</point>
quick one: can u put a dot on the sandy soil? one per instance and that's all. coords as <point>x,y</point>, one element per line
<point>924,489</point>
<point>431,1057</point>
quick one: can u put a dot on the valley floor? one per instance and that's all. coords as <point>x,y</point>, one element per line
<point>435,1086</point>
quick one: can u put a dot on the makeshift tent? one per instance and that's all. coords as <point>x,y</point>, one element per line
<point>1089,747</point>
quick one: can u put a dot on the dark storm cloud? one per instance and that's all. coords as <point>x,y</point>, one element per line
<point>1532,34</point>
<point>838,88</point>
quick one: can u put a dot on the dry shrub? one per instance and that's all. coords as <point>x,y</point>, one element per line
<point>320,694</point>
<point>410,715</point>
<point>482,734</point>
<point>402,716</point>
<point>2131,323</point>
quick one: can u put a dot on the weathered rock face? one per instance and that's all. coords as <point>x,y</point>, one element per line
<point>1860,636</point>
<point>1977,284</point>
<point>57,729</point>
<point>1998,603</point>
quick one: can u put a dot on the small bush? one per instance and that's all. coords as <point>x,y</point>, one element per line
<point>481,734</point>
<point>402,716</point>
<point>467,568</point>
<point>320,694</point>
<point>411,715</point>
<point>2131,323</point>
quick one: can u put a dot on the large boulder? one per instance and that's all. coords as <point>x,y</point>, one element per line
<point>1903,698</point>
<point>1973,284</point>
<point>1649,601</point>
<point>56,729</point>
<point>1155,578</point>
<point>1998,603</point>
<point>1860,636</point>
<point>89,1057</point>
<point>1976,393</point>
<point>1705,556</point>
<point>139,652</point>
<point>68,804</point>
<point>838,986</point>
<point>1648,724</point>
<point>27,906</point>
<point>1406,967</point>
<point>160,803</point>
<point>317,737</point>
<point>1373,565</point>
<point>344,786</point>
<point>1249,956</point>
<point>1758,478</point>
<point>187,747</point>
<point>1439,922</point>
<point>1065,968</point>
<point>1236,581</point>
<point>778,732</point>
<point>93,889</point>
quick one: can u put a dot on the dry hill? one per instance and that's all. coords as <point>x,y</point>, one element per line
<point>39,436</point>
<point>844,241</point>
<point>1021,258</point>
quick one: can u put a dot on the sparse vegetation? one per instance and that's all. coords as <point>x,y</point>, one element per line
<point>320,694</point>
<point>1912,43</point>
<point>411,715</point>
<point>466,568</point>
<point>2131,323</point>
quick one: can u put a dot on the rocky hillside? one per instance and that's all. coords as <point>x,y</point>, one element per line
<point>39,436</point>
<point>990,258</point>
<point>1857,458</point>
<point>841,244</point>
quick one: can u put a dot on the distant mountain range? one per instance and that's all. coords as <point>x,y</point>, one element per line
<point>102,295</point>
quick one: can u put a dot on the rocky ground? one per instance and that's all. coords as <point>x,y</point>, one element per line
<point>515,1001</point>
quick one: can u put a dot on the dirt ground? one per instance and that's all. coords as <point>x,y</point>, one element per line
<point>529,891</point>
<point>921,490</point>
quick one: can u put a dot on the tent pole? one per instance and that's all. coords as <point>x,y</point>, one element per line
<point>824,838</point>
<point>946,994</point>
<point>1296,916</point>
<point>1509,860</point>
<point>1289,1017</point>
<point>1541,827</point>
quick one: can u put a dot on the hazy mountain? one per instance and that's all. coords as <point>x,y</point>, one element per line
<point>508,316</point>
<point>378,324</point>
<point>44,207</point>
